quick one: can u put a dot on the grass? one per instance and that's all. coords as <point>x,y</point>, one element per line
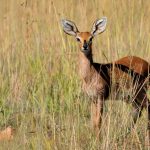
<point>40,93</point>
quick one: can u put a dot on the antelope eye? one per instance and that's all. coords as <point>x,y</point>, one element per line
<point>91,39</point>
<point>78,39</point>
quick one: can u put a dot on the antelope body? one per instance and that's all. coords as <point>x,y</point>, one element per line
<point>129,72</point>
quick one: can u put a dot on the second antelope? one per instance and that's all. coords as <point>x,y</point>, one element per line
<point>97,79</point>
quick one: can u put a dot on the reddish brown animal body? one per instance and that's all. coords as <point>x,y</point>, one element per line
<point>129,72</point>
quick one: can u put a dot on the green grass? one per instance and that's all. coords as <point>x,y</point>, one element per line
<point>40,92</point>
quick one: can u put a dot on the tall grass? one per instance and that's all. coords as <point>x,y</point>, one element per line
<point>40,94</point>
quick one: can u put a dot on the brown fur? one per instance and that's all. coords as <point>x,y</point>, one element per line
<point>137,64</point>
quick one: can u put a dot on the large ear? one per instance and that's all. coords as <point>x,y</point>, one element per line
<point>99,26</point>
<point>69,27</point>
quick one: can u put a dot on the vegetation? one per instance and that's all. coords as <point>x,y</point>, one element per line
<point>40,92</point>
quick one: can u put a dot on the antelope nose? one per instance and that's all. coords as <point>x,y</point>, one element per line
<point>85,46</point>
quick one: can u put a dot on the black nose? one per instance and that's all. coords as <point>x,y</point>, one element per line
<point>85,45</point>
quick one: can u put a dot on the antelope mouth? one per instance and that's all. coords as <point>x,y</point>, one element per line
<point>85,51</point>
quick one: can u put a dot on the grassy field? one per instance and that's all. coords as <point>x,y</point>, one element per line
<point>40,94</point>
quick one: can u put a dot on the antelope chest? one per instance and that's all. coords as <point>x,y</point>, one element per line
<point>93,88</point>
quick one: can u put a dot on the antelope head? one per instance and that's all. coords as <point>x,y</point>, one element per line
<point>84,38</point>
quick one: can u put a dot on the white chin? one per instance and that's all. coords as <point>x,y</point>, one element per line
<point>85,49</point>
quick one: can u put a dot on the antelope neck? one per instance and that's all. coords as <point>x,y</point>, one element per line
<point>85,64</point>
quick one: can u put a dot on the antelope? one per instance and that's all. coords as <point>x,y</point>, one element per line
<point>131,72</point>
